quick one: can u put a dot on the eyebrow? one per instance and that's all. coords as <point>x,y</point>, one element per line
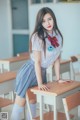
<point>48,18</point>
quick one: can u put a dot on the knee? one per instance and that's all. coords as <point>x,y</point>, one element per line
<point>20,101</point>
<point>32,101</point>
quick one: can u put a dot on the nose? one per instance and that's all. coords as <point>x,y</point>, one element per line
<point>48,23</point>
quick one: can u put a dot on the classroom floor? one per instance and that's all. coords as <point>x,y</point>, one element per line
<point>9,110</point>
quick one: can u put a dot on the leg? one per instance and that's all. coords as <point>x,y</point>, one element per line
<point>18,108</point>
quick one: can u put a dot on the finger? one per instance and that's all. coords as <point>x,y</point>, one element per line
<point>44,88</point>
<point>62,81</point>
<point>47,88</point>
<point>69,81</point>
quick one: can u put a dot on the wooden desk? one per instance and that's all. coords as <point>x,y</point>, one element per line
<point>23,54</point>
<point>7,82</point>
<point>14,63</point>
<point>54,95</point>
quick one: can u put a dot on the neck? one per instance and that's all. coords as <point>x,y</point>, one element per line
<point>51,32</point>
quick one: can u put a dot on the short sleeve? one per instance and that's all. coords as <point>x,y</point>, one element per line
<point>36,43</point>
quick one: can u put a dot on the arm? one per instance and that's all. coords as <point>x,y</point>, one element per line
<point>37,56</point>
<point>57,68</point>
<point>57,71</point>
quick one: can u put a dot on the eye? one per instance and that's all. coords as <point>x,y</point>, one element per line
<point>49,18</point>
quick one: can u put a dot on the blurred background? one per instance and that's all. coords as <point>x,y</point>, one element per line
<point>17,20</point>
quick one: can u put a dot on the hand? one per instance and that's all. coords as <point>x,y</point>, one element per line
<point>43,87</point>
<point>64,81</point>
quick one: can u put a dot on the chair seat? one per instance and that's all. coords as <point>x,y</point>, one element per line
<point>5,102</point>
<point>49,116</point>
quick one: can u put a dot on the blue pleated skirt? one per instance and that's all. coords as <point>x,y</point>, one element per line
<point>26,78</point>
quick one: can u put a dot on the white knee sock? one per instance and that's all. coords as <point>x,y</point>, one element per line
<point>33,111</point>
<point>16,112</point>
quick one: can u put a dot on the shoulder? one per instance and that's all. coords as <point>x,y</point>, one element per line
<point>35,35</point>
<point>36,38</point>
<point>36,43</point>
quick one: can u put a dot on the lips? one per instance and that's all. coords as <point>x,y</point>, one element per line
<point>49,27</point>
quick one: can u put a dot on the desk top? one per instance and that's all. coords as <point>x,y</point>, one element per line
<point>57,88</point>
<point>7,76</point>
<point>15,59</point>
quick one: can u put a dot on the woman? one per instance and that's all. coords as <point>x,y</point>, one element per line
<point>46,43</point>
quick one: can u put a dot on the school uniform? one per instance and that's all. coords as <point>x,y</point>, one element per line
<point>26,76</point>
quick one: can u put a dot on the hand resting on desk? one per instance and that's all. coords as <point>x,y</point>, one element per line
<point>64,81</point>
<point>43,87</point>
<point>46,88</point>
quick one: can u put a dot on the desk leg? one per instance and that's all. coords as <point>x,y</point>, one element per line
<point>55,109</point>
<point>41,107</point>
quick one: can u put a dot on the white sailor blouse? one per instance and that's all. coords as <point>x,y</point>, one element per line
<point>52,52</point>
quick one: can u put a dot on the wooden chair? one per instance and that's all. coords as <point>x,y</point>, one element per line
<point>4,78</point>
<point>13,64</point>
<point>5,102</point>
<point>46,115</point>
<point>65,67</point>
<point>74,60</point>
<point>6,85</point>
<point>70,102</point>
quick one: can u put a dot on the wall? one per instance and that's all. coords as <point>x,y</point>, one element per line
<point>19,14</point>
<point>68,19</point>
<point>5,30</point>
<point>20,22</point>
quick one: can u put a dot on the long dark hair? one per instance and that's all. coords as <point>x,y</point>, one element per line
<point>38,26</point>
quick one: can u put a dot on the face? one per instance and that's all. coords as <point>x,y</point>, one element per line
<point>48,22</point>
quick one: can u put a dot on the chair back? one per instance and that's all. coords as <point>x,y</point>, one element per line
<point>31,95</point>
<point>65,66</point>
<point>70,102</point>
